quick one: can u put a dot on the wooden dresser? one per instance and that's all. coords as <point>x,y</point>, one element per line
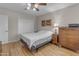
<point>69,38</point>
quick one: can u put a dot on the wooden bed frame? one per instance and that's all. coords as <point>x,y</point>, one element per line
<point>33,49</point>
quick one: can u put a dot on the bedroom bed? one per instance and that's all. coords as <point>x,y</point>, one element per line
<point>37,39</point>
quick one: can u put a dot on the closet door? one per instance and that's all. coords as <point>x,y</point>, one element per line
<point>3,28</point>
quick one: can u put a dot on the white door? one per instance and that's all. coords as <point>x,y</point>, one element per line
<point>3,28</point>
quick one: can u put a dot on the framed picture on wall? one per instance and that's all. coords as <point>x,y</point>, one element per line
<point>43,23</point>
<point>48,22</point>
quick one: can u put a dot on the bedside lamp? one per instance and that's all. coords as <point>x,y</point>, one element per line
<point>56,28</point>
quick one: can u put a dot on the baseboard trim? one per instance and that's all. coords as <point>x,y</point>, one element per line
<point>10,41</point>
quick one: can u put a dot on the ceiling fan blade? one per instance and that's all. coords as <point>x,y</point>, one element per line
<point>42,4</point>
<point>25,8</point>
<point>37,9</point>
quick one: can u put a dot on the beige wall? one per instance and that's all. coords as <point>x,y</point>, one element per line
<point>62,17</point>
<point>26,23</point>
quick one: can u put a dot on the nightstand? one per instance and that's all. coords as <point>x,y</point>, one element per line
<point>55,39</point>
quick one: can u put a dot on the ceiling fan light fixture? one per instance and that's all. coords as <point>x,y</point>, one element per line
<point>36,5</point>
<point>29,4</point>
<point>28,8</point>
<point>34,9</point>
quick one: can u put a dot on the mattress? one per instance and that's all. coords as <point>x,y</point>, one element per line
<point>34,39</point>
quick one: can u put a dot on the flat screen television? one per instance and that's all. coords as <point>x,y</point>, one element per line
<point>74,25</point>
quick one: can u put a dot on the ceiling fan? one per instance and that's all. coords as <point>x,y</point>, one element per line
<point>34,6</point>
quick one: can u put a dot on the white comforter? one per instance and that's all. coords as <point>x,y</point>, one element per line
<point>31,38</point>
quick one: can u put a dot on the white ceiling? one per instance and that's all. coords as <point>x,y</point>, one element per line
<point>19,7</point>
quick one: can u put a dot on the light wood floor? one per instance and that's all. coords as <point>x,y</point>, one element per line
<point>17,49</point>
